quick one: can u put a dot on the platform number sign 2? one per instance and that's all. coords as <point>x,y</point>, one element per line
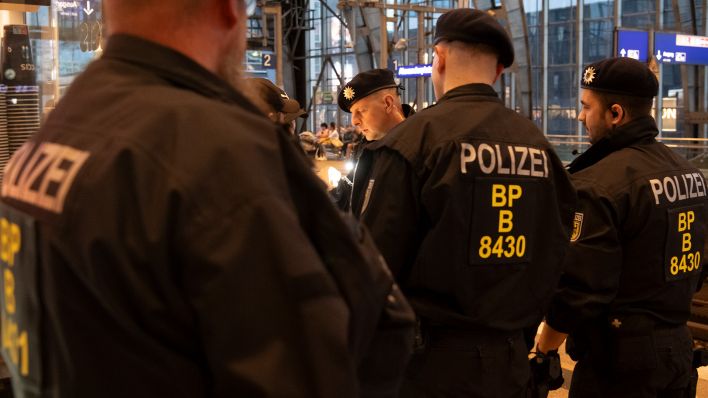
<point>268,60</point>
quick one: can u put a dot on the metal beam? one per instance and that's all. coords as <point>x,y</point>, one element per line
<point>544,107</point>
<point>383,40</point>
<point>579,59</point>
<point>326,6</point>
<point>400,7</point>
<point>420,82</point>
<point>373,46</point>
<point>312,106</point>
<point>686,22</point>
<point>659,66</point>
<point>361,37</point>
<point>277,12</point>
<point>518,31</point>
<point>617,15</point>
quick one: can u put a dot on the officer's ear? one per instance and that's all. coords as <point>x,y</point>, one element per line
<point>500,69</point>
<point>389,102</point>
<point>439,54</point>
<point>617,113</point>
<point>230,11</point>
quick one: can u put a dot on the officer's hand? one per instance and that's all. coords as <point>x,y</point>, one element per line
<point>700,357</point>
<point>546,370</point>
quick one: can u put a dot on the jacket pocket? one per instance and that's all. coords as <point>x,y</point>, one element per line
<point>633,353</point>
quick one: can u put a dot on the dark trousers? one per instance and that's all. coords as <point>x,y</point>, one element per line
<point>468,364</point>
<point>665,372</point>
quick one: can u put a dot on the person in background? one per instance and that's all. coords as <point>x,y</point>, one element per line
<point>333,132</point>
<point>472,210</point>
<point>176,243</point>
<point>276,103</point>
<point>324,131</point>
<point>351,139</point>
<point>637,250</point>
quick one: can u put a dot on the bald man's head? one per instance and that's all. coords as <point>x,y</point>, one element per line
<point>120,12</point>
<point>211,32</point>
<point>139,5</point>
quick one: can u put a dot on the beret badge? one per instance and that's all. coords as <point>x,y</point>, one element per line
<point>589,75</point>
<point>349,93</point>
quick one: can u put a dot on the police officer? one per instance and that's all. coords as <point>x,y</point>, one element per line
<point>161,238</point>
<point>276,103</point>
<point>472,210</point>
<point>372,99</point>
<point>637,246</point>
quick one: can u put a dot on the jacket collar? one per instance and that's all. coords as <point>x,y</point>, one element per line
<point>474,89</point>
<point>640,130</point>
<point>172,66</point>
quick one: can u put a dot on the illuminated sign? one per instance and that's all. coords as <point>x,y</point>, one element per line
<point>268,60</point>
<point>632,44</point>
<point>415,71</point>
<point>29,2</point>
<point>671,48</point>
<point>669,114</point>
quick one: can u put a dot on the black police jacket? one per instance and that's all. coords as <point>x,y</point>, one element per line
<point>639,233</point>
<point>341,194</point>
<point>168,241</point>
<point>472,210</point>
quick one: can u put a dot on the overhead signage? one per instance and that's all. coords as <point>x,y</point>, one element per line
<point>74,8</point>
<point>671,48</point>
<point>632,44</point>
<point>327,97</point>
<point>669,114</point>
<point>88,9</point>
<point>68,8</point>
<point>410,71</point>
<point>29,2</point>
<point>268,60</point>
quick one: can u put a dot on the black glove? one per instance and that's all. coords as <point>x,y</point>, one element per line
<point>546,373</point>
<point>700,357</point>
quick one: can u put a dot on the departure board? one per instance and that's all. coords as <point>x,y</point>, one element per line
<point>676,48</point>
<point>632,44</point>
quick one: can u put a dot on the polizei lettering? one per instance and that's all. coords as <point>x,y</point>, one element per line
<point>678,188</point>
<point>42,175</point>
<point>502,159</point>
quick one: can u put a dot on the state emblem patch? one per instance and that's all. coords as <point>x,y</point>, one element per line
<point>577,227</point>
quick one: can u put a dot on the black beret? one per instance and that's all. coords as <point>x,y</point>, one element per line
<point>624,76</point>
<point>277,99</point>
<point>475,26</point>
<point>363,84</point>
